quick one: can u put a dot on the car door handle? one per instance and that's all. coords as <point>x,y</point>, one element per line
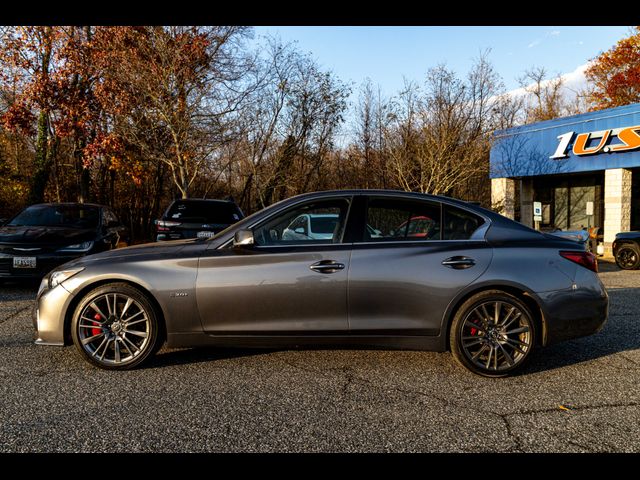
<point>327,266</point>
<point>459,263</point>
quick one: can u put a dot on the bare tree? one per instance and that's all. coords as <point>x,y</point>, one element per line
<point>291,125</point>
<point>439,140</point>
<point>184,83</point>
<point>545,99</point>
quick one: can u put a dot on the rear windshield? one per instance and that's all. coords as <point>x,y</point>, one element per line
<point>73,216</point>
<point>204,212</point>
<point>323,224</point>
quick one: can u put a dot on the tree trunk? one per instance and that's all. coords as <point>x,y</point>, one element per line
<point>273,188</point>
<point>42,162</point>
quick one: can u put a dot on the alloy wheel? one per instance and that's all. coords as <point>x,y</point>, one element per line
<point>496,336</point>
<point>627,258</point>
<point>114,329</point>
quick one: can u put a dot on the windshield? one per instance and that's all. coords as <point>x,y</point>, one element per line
<point>204,212</point>
<point>73,216</point>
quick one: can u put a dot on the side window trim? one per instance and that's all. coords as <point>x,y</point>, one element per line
<point>409,201</point>
<point>479,235</point>
<point>348,198</point>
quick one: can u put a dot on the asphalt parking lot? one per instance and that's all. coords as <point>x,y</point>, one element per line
<point>579,396</point>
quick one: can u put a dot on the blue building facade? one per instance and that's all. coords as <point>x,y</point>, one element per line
<point>567,163</point>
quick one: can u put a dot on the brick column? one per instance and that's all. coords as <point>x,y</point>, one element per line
<point>526,202</point>
<point>503,194</point>
<point>617,204</point>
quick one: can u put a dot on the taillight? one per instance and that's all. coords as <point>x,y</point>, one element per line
<point>586,259</point>
<point>163,225</point>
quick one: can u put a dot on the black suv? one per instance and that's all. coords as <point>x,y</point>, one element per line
<point>46,235</point>
<point>196,218</point>
<point>626,250</point>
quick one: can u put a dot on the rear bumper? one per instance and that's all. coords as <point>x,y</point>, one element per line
<point>575,313</point>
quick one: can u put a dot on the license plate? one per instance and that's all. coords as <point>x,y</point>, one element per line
<point>24,262</point>
<point>205,234</point>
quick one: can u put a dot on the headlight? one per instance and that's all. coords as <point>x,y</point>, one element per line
<point>56,278</point>
<point>77,247</point>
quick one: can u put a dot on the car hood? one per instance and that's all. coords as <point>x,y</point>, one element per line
<point>51,237</point>
<point>633,235</point>
<point>164,249</point>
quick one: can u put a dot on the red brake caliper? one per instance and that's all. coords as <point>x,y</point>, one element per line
<point>474,330</point>
<point>96,331</point>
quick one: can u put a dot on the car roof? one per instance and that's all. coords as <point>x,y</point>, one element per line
<point>68,204</point>
<point>201,200</point>
<point>498,221</point>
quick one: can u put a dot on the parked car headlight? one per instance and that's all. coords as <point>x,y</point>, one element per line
<point>77,247</point>
<point>57,277</point>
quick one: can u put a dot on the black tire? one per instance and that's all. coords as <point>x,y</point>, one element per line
<point>474,330</point>
<point>128,345</point>
<point>628,257</point>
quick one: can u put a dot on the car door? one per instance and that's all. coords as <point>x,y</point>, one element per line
<point>402,279</point>
<point>282,286</point>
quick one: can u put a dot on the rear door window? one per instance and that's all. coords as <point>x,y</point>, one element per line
<point>459,224</point>
<point>204,212</point>
<point>390,219</point>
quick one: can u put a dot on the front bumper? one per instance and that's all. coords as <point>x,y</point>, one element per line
<point>44,264</point>
<point>576,312</point>
<point>49,316</point>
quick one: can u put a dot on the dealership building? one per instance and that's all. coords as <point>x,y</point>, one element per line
<point>578,172</point>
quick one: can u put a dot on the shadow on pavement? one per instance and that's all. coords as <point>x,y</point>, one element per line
<point>608,266</point>
<point>620,334</point>
<point>18,290</point>
<point>201,354</point>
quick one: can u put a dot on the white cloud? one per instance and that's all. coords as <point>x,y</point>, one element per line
<point>535,43</point>
<point>554,33</point>
<point>576,80</point>
<point>573,82</point>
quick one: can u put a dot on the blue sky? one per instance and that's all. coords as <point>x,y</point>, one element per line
<point>386,54</point>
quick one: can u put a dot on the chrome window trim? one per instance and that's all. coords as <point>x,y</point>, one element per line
<point>349,197</point>
<point>426,242</point>
<point>477,236</point>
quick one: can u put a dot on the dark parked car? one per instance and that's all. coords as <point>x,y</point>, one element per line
<point>626,250</point>
<point>46,235</point>
<point>485,287</point>
<point>196,218</point>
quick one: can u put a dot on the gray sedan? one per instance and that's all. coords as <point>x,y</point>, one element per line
<point>439,274</point>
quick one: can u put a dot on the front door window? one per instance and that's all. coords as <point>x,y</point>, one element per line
<point>320,222</point>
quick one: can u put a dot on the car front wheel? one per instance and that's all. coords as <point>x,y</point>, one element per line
<point>115,327</point>
<point>492,334</point>
<point>628,257</point>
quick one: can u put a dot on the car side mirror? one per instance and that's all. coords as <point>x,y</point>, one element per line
<point>243,238</point>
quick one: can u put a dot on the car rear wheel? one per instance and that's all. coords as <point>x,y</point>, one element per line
<point>628,257</point>
<point>492,334</point>
<point>115,327</point>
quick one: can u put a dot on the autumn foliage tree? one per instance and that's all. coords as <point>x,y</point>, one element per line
<point>615,74</point>
<point>27,54</point>
<point>172,90</point>
<point>136,116</point>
